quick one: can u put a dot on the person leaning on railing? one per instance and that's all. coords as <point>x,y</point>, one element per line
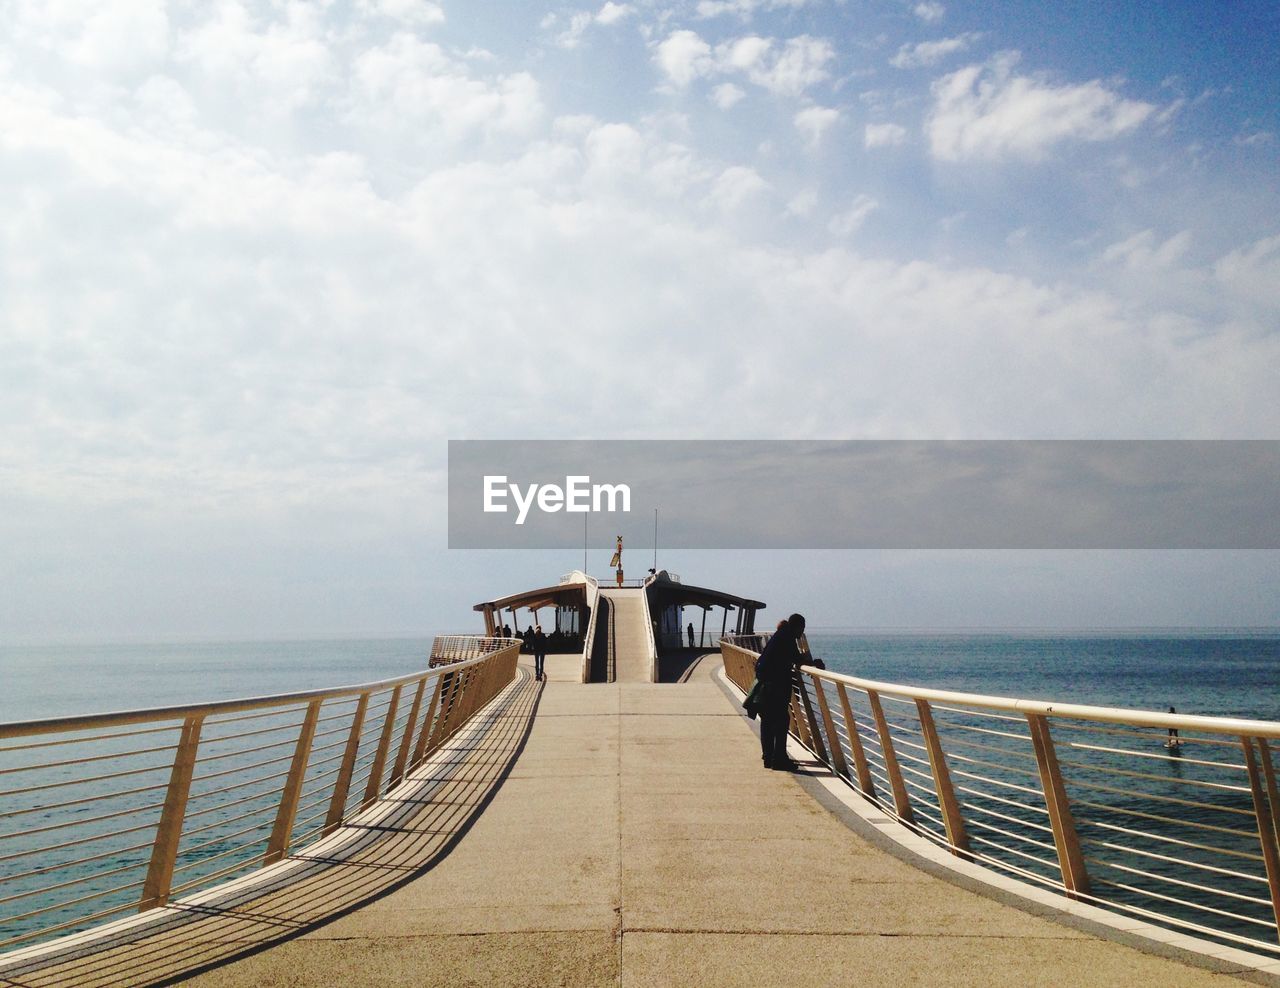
<point>775,671</point>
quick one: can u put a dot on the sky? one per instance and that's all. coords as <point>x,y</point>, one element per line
<point>260,261</point>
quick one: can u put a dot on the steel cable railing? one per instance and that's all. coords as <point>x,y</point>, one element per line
<point>1171,818</point>
<point>111,814</point>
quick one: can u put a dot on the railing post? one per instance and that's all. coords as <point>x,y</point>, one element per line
<point>164,852</point>
<point>953,819</point>
<point>456,684</point>
<point>1273,797</point>
<point>384,745</point>
<point>797,723</point>
<point>829,725</point>
<point>1266,821</point>
<point>901,803</point>
<point>402,755</point>
<point>342,784</point>
<point>448,687</point>
<point>282,832</point>
<point>811,721</point>
<point>1075,877</point>
<point>424,736</point>
<point>865,782</point>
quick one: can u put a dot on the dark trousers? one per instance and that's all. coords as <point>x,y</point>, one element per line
<point>538,659</point>
<point>775,718</point>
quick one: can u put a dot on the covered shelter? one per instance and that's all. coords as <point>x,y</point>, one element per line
<point>668,600</point>
<point>564,627</point>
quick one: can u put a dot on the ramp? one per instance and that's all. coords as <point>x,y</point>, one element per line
<point>633,659</point>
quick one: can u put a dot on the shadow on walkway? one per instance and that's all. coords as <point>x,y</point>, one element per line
<point>387,846</point>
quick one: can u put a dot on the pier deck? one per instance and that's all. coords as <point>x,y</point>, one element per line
<point>632,837</point>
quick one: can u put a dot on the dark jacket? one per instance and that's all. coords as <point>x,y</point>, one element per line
<point>539,643</point>
<point>780,658</point>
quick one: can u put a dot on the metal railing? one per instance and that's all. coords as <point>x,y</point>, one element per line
<point>709,639</point>
<point>111,814</point>
<point>448,649</point>
<point>589,640</point>
<point>649,642</point>
<point>1173,819</point>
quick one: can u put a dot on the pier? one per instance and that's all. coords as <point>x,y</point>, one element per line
<point>624,833</point>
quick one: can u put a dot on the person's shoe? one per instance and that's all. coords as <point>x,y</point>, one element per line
<point>787,766</point>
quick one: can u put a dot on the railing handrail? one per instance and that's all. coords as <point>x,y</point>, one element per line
<point>394,725</point>
<point>1063,795</point>
<point>121,718</point>
<point>651,642</point>
<point>1076,711</point>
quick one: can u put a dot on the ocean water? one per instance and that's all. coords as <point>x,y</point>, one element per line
<point>60,680</point>
<point>1227,673</point>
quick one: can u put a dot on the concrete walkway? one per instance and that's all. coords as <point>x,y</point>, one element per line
<point>638,841</point>
<point>634,839</point>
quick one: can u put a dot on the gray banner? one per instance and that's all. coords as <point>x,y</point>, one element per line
<point>776,494</point>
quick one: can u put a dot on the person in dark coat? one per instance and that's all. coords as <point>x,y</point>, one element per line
<point>539,653</point>
<point>776,669</point>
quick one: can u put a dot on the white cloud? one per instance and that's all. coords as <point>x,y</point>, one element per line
<point>744,9</point>
<point>988,112</point>
<point>1253,273</point>
<point>931,52</point>
<point>735,186</point>
<point>786,69</point>
<point>571,36</point>
<point>814,121</point>
<point>282,63</point>
<point>847,223</point>
<point>630,164</point>
<point>801,63</point>
<point>727,95</point>
<point>881,135</point>
<point>413,82</point>
<point>803,203</point>
<point>612,13</point>
<point>419,12</point>
<point>1144,252</point>
<point>580,21</point>
<point>113,37</point>
<point>684,56</point>
<point>930,11</point>
<point>1257,138</point>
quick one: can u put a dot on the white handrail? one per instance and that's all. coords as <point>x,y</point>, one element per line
<point>233,771</point>
<point>651,643</point>
<point>1236,727</point>
<point>1172,818</point>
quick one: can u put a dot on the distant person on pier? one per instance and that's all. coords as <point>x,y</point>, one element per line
<point>506,631</point>
<point>539,653</point>
<point>527,638</point>
<point>691,634</point>
<point>776,670</point>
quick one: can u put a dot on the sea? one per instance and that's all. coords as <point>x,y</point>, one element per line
<point>1222,672</point>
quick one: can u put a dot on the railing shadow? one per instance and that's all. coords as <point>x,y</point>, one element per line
<point>396,840</point>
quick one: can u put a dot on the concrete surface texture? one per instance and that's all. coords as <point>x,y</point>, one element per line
<point>631,638</point>
<point>632,837</point>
